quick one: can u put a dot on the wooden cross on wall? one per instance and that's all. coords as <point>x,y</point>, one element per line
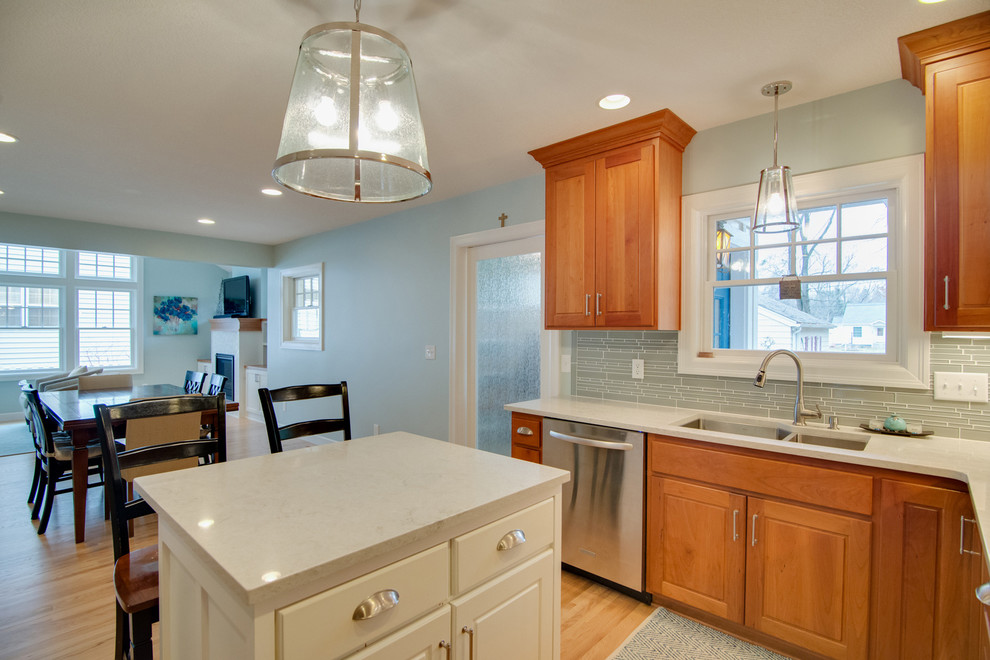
<point>502,218</point>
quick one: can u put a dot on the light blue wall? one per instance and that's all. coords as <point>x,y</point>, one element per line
<point>388,280</point>
<point>387,291</point>
<point>166,357</point>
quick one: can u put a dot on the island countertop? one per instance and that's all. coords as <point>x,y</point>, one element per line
<point>271,524</point>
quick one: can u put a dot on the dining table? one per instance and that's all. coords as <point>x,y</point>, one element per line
<point>73,411</point>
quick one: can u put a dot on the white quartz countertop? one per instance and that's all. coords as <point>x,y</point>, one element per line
<point>965,460</point>
<point>308,514</point>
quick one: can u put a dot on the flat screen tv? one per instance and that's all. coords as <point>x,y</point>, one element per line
<point>236,295</point>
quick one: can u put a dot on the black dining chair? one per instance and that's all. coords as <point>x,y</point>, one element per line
<point>53,461</point>
<point>215,387</point>
<point>135,571</point>
<point>277,434</point>
<point>194,382</point>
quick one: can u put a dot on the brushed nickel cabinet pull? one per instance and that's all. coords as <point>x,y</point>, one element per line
<point>445,645</point>
<point>375,604</point>
<point>962,533</point>
<point>735,532</point>
<point>587,303</point>
<point>945,305</point>
<point>598,304</point>
<point>511,540</point>
<point>755,516</point>
<point>524,430</point>
<point>470,632</point>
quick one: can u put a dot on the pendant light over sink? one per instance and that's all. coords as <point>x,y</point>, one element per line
<point>776,209</point>
<point>352,128</point>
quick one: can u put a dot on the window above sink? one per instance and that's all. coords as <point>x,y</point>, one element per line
<point>859,247</point>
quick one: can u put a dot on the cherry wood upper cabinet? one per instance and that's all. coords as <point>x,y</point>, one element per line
<point>950,63</point>
<point>613,234</point>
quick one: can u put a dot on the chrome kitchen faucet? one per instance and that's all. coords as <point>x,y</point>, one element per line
<point>800,412</point>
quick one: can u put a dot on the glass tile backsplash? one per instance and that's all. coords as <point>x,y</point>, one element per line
<point>602,370</point>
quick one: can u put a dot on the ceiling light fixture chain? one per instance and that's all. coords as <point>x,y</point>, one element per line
<point>357,11</point>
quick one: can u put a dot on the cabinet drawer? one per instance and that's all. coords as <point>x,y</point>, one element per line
<point>476,554</point>
<point>322,626</point>
<point>527,430</point>
<point>811,484</point>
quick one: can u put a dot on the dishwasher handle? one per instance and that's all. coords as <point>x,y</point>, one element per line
<point>589,442</point>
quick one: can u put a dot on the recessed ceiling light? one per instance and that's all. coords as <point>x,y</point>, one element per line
<point>614,101</point>
<point>206,221</point>
<point>5,137</point>
<point>1,192</point>
<point>272,192</point>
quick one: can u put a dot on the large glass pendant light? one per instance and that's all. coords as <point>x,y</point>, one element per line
<point>776,208</point>
<point>352,128</point>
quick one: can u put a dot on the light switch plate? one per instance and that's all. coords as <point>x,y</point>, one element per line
<point>637,369</point>
<point>431,352</point>
<point>565,363</point>
<point>951,386</point>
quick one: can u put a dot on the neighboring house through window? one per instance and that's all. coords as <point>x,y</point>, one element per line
<point>62,308</point>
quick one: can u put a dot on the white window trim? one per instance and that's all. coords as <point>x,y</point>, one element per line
<point>908,367</point>
<point>289,276</point>
<point>68,284</point>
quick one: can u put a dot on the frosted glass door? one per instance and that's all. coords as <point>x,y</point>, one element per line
<point>508,319</point>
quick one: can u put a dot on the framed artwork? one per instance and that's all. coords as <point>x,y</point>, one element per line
<point>175,315</point>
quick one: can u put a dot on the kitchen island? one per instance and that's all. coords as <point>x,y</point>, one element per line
<point>438,547</point>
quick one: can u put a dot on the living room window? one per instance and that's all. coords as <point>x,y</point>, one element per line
<point>302,305</point>
<point>850,276</point>
<point>61,308</point>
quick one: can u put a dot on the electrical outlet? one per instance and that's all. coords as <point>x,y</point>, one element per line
<point>375,429</point>
<point>950,386</point>
<point>637,369</point>
<point>565,363</point>
<point>431,352</point>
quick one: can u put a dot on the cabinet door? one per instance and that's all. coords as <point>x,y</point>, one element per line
<point>424,640</point>
<point>926,575</point>
<point>625,237</point>
<point>509,617</point>
<point>696,549</point>
<point>570,245</point>
<point>957,228</point>
<point>808,577</point>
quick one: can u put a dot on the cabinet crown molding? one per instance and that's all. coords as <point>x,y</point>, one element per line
<point>919,49</point>
<point>662,124</point>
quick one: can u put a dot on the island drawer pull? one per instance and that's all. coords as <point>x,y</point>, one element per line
<point>375,604</point>
<point>524,430</point>
<point>511,540</point>
<point>445,645</point>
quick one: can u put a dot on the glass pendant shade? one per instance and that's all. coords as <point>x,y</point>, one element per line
<point>352,129</point>
<point>776,208</point>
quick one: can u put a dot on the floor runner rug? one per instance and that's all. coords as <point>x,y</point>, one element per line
<point>667,636</point>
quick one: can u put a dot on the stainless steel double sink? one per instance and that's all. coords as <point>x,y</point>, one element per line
<point>774,430</point>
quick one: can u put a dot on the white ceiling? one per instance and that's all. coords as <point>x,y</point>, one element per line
<point>153,113</point>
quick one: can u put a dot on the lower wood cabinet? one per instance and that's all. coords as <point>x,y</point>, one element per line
<point>527,437</point>
<point>930,565</point>
<point>786,569</point>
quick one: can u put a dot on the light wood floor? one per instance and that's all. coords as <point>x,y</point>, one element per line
<point>56,596</point>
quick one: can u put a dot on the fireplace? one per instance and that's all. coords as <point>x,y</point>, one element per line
<point>225,367</point>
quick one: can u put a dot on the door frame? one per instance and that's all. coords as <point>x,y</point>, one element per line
<point>461,370</point>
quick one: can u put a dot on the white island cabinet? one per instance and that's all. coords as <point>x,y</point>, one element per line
<point>393,546</point>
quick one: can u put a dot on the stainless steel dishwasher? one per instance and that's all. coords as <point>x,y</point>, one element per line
<point>603,502</point>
